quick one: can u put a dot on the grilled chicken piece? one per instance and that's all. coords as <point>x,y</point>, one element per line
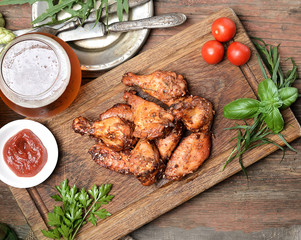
<point>151,121</point>
<point>165,86</point>
<point>195,112</point>
<point>121,110</point>
<point>145,162</point>
<point>113,160</point>
<point>167,144</point>
<point>114,132</point>
<point>192,151</point>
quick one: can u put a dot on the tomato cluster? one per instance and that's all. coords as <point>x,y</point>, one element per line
<point>223,30</point>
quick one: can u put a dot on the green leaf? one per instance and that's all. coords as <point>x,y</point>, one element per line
<point>57,198</point>
<point>65,231</point>
<point>261,67</point>
<point>54,219</point>
<point>94,192</point>
<point>96,207</point>
<point>53,10</point>
<point>120,10</point>
<point>58,210</point>
<point>74,212</point>
<point>92,219</point>
<point>243,108</point>
<point>274,120</point>
<point>72,196</point>
<point>102,213</point>
<point>63,190</point>
<point>106,199</point>
<point>84,198</point>
<point>52,233</point>
<point>267,90</point>
<point>286,143</point>
<point>67,221</point>
<point>126,6</point>
<point>275,71</point>
<point>288,95</point>
<point>104,189</point>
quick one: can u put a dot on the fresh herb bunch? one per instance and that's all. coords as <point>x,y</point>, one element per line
<point>86,6</point>
<point>78,207</point>
<point>274,94</point>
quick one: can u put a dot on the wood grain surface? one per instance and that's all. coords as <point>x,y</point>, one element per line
<point>266,206</point>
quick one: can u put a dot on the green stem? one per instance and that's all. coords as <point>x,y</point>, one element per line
<point>86,214</point>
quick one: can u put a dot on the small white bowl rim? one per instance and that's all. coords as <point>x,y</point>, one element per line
<point>44,134</point>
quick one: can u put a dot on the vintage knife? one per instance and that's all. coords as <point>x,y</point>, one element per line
<point>89,31</point>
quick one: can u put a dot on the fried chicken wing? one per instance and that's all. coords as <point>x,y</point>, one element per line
<point>146,164</point>
<point>192,151</point>
<point>167,144</point>
<point>151,121</point>
<point>143,162</point>
<point>113,131</point>
<point>113,160</point>
<point>165,86</point>
<point>121,110</point>
<point>195,112</point>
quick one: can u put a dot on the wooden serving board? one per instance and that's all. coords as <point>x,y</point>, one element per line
<point>135,205</point>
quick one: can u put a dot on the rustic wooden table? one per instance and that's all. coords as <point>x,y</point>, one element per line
<point>268,206</point>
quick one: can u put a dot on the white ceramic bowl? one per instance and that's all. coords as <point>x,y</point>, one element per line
<point>48,140</point>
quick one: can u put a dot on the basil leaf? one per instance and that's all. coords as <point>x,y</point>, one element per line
<point>274,120</point>
<point>288,95</point>
<point>267,90</point>
<point>241,108</point>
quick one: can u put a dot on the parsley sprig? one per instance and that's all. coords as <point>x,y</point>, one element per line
<point>78,207</point>
<point>274,94</point>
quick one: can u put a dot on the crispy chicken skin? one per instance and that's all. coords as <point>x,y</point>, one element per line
<point>121,110</point>
<point>114,132</point>
<point>151,121</point>
<point>108,158</point>
<point>192,151</point>
<point>143,162</point>
<point>146,164</point>
<point>167,144</point>
<point>165,86</point>
<point>195,112</point>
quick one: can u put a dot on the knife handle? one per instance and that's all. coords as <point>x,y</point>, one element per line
<point>161,21</point>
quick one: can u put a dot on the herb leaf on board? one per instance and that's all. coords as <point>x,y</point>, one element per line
<point>78,207</point>
<point>275,94</point>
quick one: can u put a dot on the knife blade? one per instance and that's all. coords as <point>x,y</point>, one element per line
<point>100,30</point>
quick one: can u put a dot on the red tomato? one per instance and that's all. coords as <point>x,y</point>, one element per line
<point>223,29</point>
<point>238,53</point>
<point>213,52</point>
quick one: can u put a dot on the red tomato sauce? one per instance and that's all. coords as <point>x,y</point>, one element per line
<point>25,154</point>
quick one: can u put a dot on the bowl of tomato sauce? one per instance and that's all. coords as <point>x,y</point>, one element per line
<point>28,153</point>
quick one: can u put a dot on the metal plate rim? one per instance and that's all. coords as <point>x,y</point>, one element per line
<point>143,35</point>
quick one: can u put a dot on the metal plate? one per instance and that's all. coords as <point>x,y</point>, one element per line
<point>109,51</point>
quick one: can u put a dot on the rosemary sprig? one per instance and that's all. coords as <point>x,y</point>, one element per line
<point>271,59</point>
<point>258,133</point>
<point>86,6</point>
